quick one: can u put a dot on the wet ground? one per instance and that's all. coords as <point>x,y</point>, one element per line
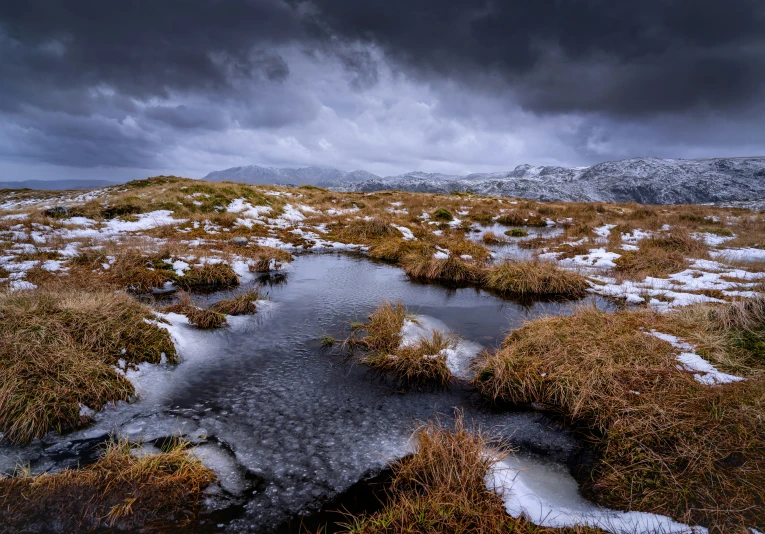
<point>287,423</point>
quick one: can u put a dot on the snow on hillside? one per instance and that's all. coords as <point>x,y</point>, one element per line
<point>643,180</point>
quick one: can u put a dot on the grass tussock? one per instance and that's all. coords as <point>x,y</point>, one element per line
<point>417,365</point>
<point>198,317</point>
<point>393,249</point>
<point>535,279</point>
<point>490,238</point>
<point>208,277</point>
<point>58,351</point>
<point>441,488</point>
<point>365,230</point>
<point>520,218</point>
<point>661,255</point>
<point>442,214</point>
<point>665,443</point>
<point>243,304</point>
<point>450,270</point>
<point>121,491</point>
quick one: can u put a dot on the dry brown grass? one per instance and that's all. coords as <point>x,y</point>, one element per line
<point>243,304</point>
<point>442,488</point>
<point>57,352</point>
<point>452,270</point>
<point>665,442</point>
<point>521,218</point>
<point>534,279</point>
<point>661,255</point>
<point>120,491</point>
<point>208,277</point>
<point>419,365</point>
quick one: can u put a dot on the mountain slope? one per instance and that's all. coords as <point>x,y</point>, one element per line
<point>253,174</point>
<point>643,180</point>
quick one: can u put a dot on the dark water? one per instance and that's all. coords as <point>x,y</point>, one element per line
<point>287,423</point>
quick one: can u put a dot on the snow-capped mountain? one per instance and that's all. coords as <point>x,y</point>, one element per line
<point>643,180</point>
<point>252,174</point>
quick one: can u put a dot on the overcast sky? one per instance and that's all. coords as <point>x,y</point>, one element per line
<point>102,89</point>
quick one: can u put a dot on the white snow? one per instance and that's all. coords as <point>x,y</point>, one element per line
<point>406,232</point>
<point>458,357</point>
<point>547,495</point>
<point>702,370</point>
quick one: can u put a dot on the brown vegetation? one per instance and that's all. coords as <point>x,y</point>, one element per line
<point>665,442</point>
<point>121,491</point>
<point>58,351</point>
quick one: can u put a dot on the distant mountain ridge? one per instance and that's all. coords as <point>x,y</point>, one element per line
<point>56,185</point>
<point>642,180</point>
<point>253,174</point>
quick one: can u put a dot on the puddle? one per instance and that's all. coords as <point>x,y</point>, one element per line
<point>286,423</point>
<point>512,250</point>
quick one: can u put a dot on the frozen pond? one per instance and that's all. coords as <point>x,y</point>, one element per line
<point>287,423</point>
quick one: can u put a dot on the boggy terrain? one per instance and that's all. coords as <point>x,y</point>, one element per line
<point>663,386</point>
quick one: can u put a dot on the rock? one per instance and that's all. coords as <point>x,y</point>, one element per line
<point>58,211</point>
<point>241,241</point>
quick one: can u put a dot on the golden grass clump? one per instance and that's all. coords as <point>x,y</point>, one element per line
<point>208,277</point>
<point>535,279</point>
<point>58,351</point>
<point>243,304</point>
<point>421,364</point>
<point>414,365</point>
<point>665,443</point>
<point>490,238</point>
<point>450,270</point>
<point>442,488</point>
<point>661,255</point>
<point>393,249</point>
<point>521,218</point>
<point>120,491</point>
<point>199,317</point>
<point>365,230</point>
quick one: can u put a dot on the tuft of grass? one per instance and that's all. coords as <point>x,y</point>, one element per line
<point>393,249</point>
<point>421,364</point>
<point>518,218</point>
<point>243,304</point>
<point>450,270</point>
<point>120,491</point>
<point>664,442</point>
<point>482,218</point>
<point>58,351</point>
<point>535,279</point>
<point>416,365</point>
<point>516,232</point>
<point>208,277</point>
<point>490,238</point>
<point>442,488</point>
<point>364,230</point>
<point>383,330</point>
<point>201,318</point>
<point>442,214</point>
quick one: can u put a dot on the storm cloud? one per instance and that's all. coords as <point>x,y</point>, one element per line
<point>448,86</point>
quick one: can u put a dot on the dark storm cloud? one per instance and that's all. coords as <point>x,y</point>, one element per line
<point>89,82</point>
<point>623,57</point>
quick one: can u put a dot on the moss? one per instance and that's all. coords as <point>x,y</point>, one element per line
<point>516,232</point>
<point>442,214</point>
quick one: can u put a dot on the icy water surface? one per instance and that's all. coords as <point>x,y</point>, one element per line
<point>288,424</point>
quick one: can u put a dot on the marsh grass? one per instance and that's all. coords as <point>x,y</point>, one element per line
<point>665,443</point>
<point>199,317</point>
<point>208,277</point>
<point>534,279</point>
<point>121,491</point>
<point>452,270</point>
<point>57,352</point>
<point>442,488</point>
<point>243,304</point>
<point>417,365</point>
